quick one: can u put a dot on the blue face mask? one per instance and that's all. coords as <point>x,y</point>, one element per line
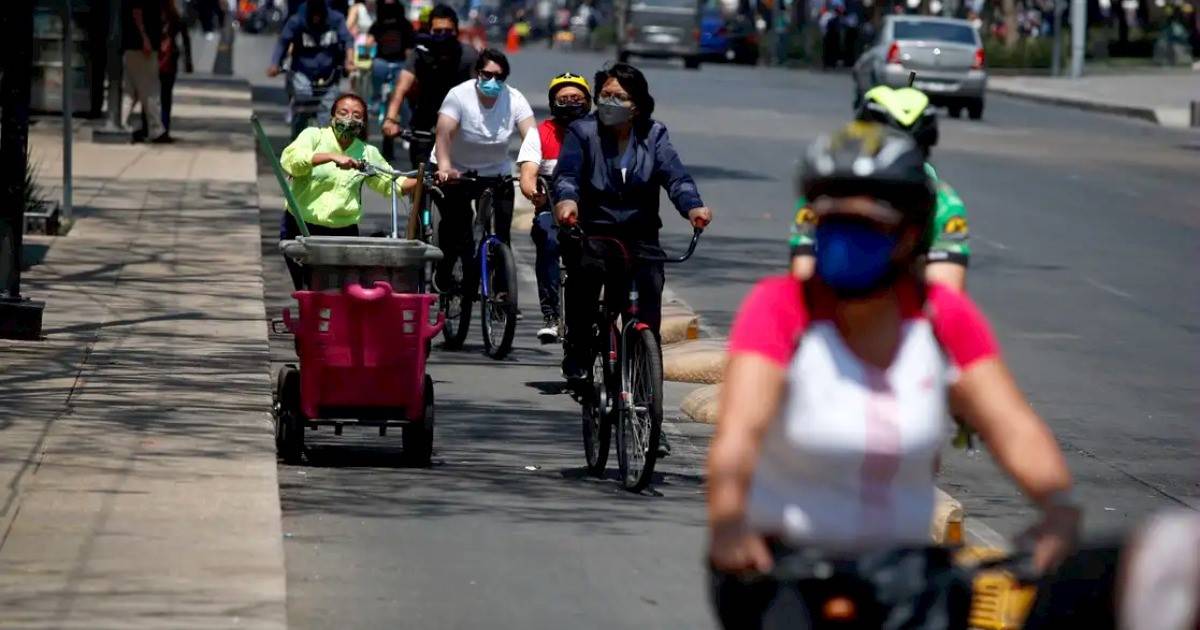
<point>491,88</point>
<point>853,259</point>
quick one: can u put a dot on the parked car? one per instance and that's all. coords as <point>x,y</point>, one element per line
<point>659,28</point>
<point>727,38</point>
<point>946,54</point>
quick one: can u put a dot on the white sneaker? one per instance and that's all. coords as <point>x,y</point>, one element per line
<point>549,330</point>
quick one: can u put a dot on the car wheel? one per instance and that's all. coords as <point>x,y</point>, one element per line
<point>623,56</point>
<point>975,109</point>
<point>691,63</point>
<point>955,111</point>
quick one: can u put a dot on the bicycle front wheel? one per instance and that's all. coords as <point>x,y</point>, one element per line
<point>597,405</point>
<point>455,303</point>
<point>498,306</point>
<point>640,409</point>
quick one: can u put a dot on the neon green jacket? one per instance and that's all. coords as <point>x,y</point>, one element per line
<point>948,238</point>
<point>330,196</point>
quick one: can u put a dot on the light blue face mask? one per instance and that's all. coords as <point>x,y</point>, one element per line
<point>490,88</point>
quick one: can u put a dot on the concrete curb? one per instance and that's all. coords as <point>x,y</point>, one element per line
<point>679,324</point>
<point>696,361</point>
<point>701,404</point>
<point>1141,113</point>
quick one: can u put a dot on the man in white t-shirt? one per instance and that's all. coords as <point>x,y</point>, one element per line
<point>474,126</point>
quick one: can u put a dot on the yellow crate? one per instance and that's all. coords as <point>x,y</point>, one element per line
<point>998,601</point>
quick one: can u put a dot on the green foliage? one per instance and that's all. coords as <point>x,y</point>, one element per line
<point>1028,52</point>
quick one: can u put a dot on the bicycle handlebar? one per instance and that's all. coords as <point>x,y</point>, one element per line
<point>696,232</point>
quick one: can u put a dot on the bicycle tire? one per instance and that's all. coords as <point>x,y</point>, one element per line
<point>456,305</point>
<point>595,413</point>
<point>498,309</point>
<point>638,433</point>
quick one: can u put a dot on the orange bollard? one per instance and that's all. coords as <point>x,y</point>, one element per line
<point>514,40</point>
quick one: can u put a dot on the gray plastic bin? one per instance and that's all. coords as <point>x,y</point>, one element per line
<point>333,262</point>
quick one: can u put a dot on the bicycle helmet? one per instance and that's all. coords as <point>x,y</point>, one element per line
<point>868,159</point>
<point>906,109</point>
<point>570,112</point>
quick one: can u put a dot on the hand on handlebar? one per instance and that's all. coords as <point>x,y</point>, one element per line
<point>700,217</point>
<point>566,213</point>
<point>273,70</point>
<point>447,174</point>
<point>734,549</point>
<point>1054,537</point>
<point>346,162</point>
<point>391,128</point>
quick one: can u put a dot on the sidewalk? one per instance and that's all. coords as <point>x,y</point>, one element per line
<point>1160,96</point>
<point>136,456</point>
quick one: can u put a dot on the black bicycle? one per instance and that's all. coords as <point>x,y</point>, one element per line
<point>485,272</point>
<point>624,387</point>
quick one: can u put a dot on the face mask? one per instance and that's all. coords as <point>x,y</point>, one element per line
<point>490,88</point>
<point>853,259</point>
<point>568,113</point>
<point>347,128</point>
<point>612,112</point>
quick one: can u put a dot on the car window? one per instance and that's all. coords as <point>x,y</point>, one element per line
<point>673,4</point>
<point>934,31</point>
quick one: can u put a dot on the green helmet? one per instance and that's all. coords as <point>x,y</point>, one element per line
<point>868,159</point>
<point>906,109</point>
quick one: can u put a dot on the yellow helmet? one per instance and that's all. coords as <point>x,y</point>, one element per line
<point>566,79</point>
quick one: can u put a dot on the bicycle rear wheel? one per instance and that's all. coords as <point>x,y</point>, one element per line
<point>640,409</point>
<point>455,302</point>
<point>498,305</point>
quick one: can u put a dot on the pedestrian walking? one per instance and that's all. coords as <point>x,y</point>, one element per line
<point>141,38</point>
<point>175,44</point>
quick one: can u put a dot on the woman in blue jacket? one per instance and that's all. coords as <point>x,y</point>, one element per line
<point>610,169</point>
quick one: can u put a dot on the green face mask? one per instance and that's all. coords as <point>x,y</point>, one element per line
<point>347,128</point>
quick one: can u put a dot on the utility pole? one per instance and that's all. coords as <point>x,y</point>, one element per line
<point>1056,54</point>
<point>19,318</point>
<point>113,131</point>
<point>68,55</point>
<point>1078,36</point>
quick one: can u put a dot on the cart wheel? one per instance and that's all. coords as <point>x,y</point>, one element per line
<point>289,420</point>
<point>418,436</point>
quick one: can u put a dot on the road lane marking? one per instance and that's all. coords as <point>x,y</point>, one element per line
<point>987,241</point>
<point>1108,288</point>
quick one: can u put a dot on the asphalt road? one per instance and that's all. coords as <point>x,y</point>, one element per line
<point>1084,231</point>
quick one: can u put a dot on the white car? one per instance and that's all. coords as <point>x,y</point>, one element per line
<point>946,54</point>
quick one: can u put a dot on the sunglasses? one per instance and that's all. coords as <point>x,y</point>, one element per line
<point>571,100</point>
<point>488,75</point>
<point>441,32</point>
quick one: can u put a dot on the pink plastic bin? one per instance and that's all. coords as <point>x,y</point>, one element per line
<point>362,349</point>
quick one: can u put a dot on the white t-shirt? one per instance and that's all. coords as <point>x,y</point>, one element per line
<point>481,144</point>
<point>531,151</point>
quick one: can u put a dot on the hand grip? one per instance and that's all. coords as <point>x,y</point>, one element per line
<point>380,290</point>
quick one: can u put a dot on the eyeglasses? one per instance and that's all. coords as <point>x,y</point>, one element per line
<point>570,100</point>
<point>488,75</point>
<point>355,114</point>
<point>441,32</point>
<point>615,96</point>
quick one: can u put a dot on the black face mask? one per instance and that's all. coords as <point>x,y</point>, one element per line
<point>569,113</point>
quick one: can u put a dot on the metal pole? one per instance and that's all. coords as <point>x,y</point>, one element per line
<point>113,129</point>
<point>68,55</point>
<point>1056,59</point>
<point>1078,36</point>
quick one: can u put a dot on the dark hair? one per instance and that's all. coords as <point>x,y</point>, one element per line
<point>491,54</point>
<point>358,99</point>
<point>635,83</point>
<point>444,12</point>
<point>317,8</point>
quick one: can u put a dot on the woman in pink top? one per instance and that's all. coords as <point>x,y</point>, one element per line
<point>838,391</point>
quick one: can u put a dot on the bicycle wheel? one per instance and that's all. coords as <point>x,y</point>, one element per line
<point>596,414</point>
<point>455,302</point>
<point>639,412</point>
<point>498,305</point>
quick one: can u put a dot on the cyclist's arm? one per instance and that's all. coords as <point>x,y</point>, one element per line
<point>529,161</point>
<point>447,127</point>
<point>567,175</point>
<point>284,42</point>
<point>404,83</point>
<point>680,186</point>
<point>800,241</point>
<point>299,157</point>
<point>950,246</point>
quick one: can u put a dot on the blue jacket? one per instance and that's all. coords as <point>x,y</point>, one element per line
<point>316,55</point>
<point>589,172</point>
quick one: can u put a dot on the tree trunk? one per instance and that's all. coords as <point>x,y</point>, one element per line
<point>16,26</point>
<point>1010,23</point>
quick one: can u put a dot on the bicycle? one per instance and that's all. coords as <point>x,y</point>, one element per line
<point>495,286</point>
<point>626,381</point>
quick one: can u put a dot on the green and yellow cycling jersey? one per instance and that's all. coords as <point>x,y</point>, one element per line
<point>948,238</point>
